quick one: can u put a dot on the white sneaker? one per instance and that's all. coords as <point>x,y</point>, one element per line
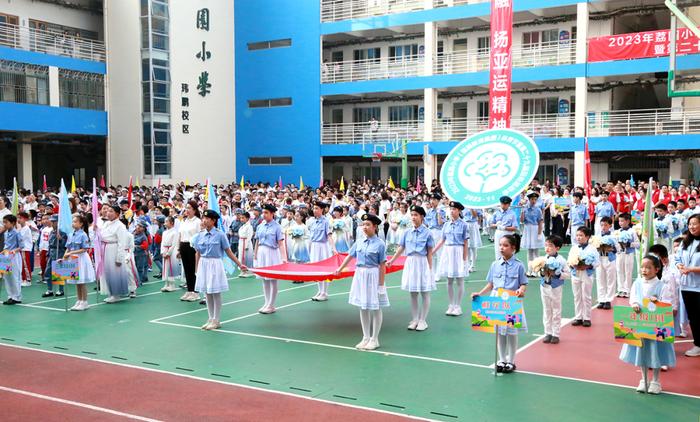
<point>361,345</point>
<point>322,297</point>
<point>641,387</point>
<point>268,310</point>
<point>204,327</point>
<point>164,289</point>
<point>84,305</point>
<point>185,297</point>
<point>654,387</point>
<point>683,334</point>
<point>695,351</point>
<point>372,345</point>
<point>26,284</point>
<point>413,325</point>
<point>112,299</point>
<point>170,288</point>
<point>192,297</point>
<point>457,311</point>
<point>76,306</point>
<point>450,311</point>
<point>422,326</point>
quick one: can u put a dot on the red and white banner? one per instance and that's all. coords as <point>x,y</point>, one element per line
<point>501,63</point>
<point>641,45</point>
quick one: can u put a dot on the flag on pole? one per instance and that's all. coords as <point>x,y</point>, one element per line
<point>391,183</point>
<point>159,183</point>
<point>131,189</point>
<point>301,183</point>
<point>242,183</point>
<point>632,180</point>
<point>647,239</point>
<point>206,192</point>
<point>320,182</point>
<point>229,266</point>
<point>280,182</point>
<point>587,182</point>
<point>15,197</point>
<point>64,215</point>
<point>96,240</point>
<point>670,181</point>
<point>418,184</point>
<point>102,182</point>
<point>72,185</point>
<point>44,187</point>
<point>187,182</point>
<point>342,183</point>
<point>138,185</point>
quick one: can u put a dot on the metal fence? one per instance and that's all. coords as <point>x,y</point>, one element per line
<point>665,121</point>
<point>338,10</point>
<point>49,42</point>
<point>81,90</point>
<point>24,83</point>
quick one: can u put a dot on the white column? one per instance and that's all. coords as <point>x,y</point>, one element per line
<point>54,88</point>
<point>430,113</point>
<point>429,166</point>
<point>24,165</point>
<point>581,123</point>
<point>430,94</point>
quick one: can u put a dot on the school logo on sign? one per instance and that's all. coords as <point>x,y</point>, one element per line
<point>488,165</point>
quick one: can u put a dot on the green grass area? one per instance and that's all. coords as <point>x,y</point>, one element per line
<point>306,348</point>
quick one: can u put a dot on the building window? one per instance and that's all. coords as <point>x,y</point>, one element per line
<point>24,83</point>
<point>364,114</point>
<point>269,161</point>
<point>155,77</point>
<point>540,106</point>
<point>81,90</point>
<point>403,113</point>
<point>272,102</point>
<point>368,54</point>
<point>265,45</point>
<point>403,52</point>
<point>483,44</point>
<point>482,111</point>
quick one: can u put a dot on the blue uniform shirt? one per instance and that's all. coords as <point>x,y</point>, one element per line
<point>431,218</point>
<point>13,240</point>
<point>533,215</point>
<point>578,214</point>
<point>504,219</point>
<point>269,234</point>
<point>77,240</point>
<point>369,252</point>
<point>689,257</point>
<point>416,241</point>
<point>211,244</point>
<point>319,230</point>
<point>138,241</point>
<point>469,218</point>
<point>509,275</point>
<point>455,232</point>
<point>604,209</point>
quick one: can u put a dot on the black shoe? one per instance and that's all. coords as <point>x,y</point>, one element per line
<point>59,294</point>
<point>547,339</point>
<point>11,301</point>
<point>608,305</point>
<point>577,322</point>
<point>500,366</point>
<point>47,294</point>
<point>510,367</point>
<point>202,302</point>
<point>600,305</point>
<point>158,276</point>
<point>586,323</point>
<point>555,340</point>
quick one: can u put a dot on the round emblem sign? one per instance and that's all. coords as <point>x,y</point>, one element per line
<point>488,165</point>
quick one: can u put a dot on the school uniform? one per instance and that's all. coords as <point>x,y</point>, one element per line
<point>652,354</point>
<point>319,230</point>
<point>452,264</point>
<point>690,287</point>
<point>140,256</point>
<point>369,254</point>
<point>532,238</point>
<point>298,235</point>
<point>44,236</point>
<point>663,236</point>
<point>582,283</point>
<point>433,223</point>
<point>268,236</point>
<point>606,273</point>
<point>625,261</point>
<point>245,244</point>
<point>502,220</point>
<point>211,275</point>
<point>474,236</point>
<point>602,209</point>
<point>26,244</point>
<point>417,275</point>
<point>114,280</point>
<point>578,215</point>
<point>340,235</point>
<point>76,241</point>
<point>551,289</point>
<point>13,279</point>
<point>57,248</point>
<point>169,247</point>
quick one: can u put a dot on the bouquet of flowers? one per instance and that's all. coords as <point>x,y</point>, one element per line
<point>537,264</point>
<point>607,244</point>
<point>573,258</point>
<point>624,237</point>
<point>662,229</point>
<point>675,224</point>
<point>638,229</point>
<point>297,232</point>
<point>595,241</point>
<point>552,268</point>
<point>585,258</point>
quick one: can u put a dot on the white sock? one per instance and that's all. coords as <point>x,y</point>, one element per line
<point>512,347</point>
<point>472,257</point>
<point>414,306</point>
<point>320,288</point>
<point>656,372</point>
<point>426,306</point>
<point>460,292</point>
<point>365,321</point>
<point>502,340</point>
<point>210,306</point>
<point>450,290</point>
<point>216,305</point>
<point>273,292</point>
<point>266,292</point>
<point>377,319</point>
<point>324,287</point>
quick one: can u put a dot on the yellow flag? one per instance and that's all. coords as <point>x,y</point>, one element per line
<point>206,192</point>
<point>187,182</point>
<point>391,183</point>
<point>72,185</point>
<point>301,183</point>
<point>242,183</point>
<point>342,183</point>
<point>138,185</point>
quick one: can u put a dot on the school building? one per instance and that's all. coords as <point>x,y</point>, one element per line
<point>177,90</point>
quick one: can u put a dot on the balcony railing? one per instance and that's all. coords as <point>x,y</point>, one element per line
<point>338,10</point>
<point>476,60</point>
<point>24,38</point>
<point>365,70</point>
<point>381,132</point>
<point>535,126</point>
<point>450,3</point>
<point>664,121</point>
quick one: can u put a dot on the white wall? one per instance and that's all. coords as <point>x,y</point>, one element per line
<point>52,13</point>
<point>123,90</point>
<point>209,149</point>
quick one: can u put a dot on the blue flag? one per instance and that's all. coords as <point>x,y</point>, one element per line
<point>65,219</point>
<point>229,266</point>
<point>632,180</point>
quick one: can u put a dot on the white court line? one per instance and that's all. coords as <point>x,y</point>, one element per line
<point>249,387</point>
<point>77,404</point>
<point>92,305</point>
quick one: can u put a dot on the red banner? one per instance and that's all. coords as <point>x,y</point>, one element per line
<point>641,45</point>
<point>501,63</point>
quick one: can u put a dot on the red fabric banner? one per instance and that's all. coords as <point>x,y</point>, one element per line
<point>501,63</point>
<point>318,271</point>
<point>641,45</point>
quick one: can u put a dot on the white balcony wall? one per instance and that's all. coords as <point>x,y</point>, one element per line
<point>52,13</point>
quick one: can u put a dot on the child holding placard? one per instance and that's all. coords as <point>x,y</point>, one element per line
<point>653,354</point>
<point>77,246</point>
<point>508,273</point>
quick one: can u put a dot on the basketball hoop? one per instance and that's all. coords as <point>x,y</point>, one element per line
<point>376,157</point>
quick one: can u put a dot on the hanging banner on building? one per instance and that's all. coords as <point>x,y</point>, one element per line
<point>501,63</point>
<point>641,45</point>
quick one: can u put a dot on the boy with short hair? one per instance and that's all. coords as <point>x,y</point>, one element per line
<point>26,243</point>
<point>626,257</point>
<point>606,273</point>
<point>551,289</point>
